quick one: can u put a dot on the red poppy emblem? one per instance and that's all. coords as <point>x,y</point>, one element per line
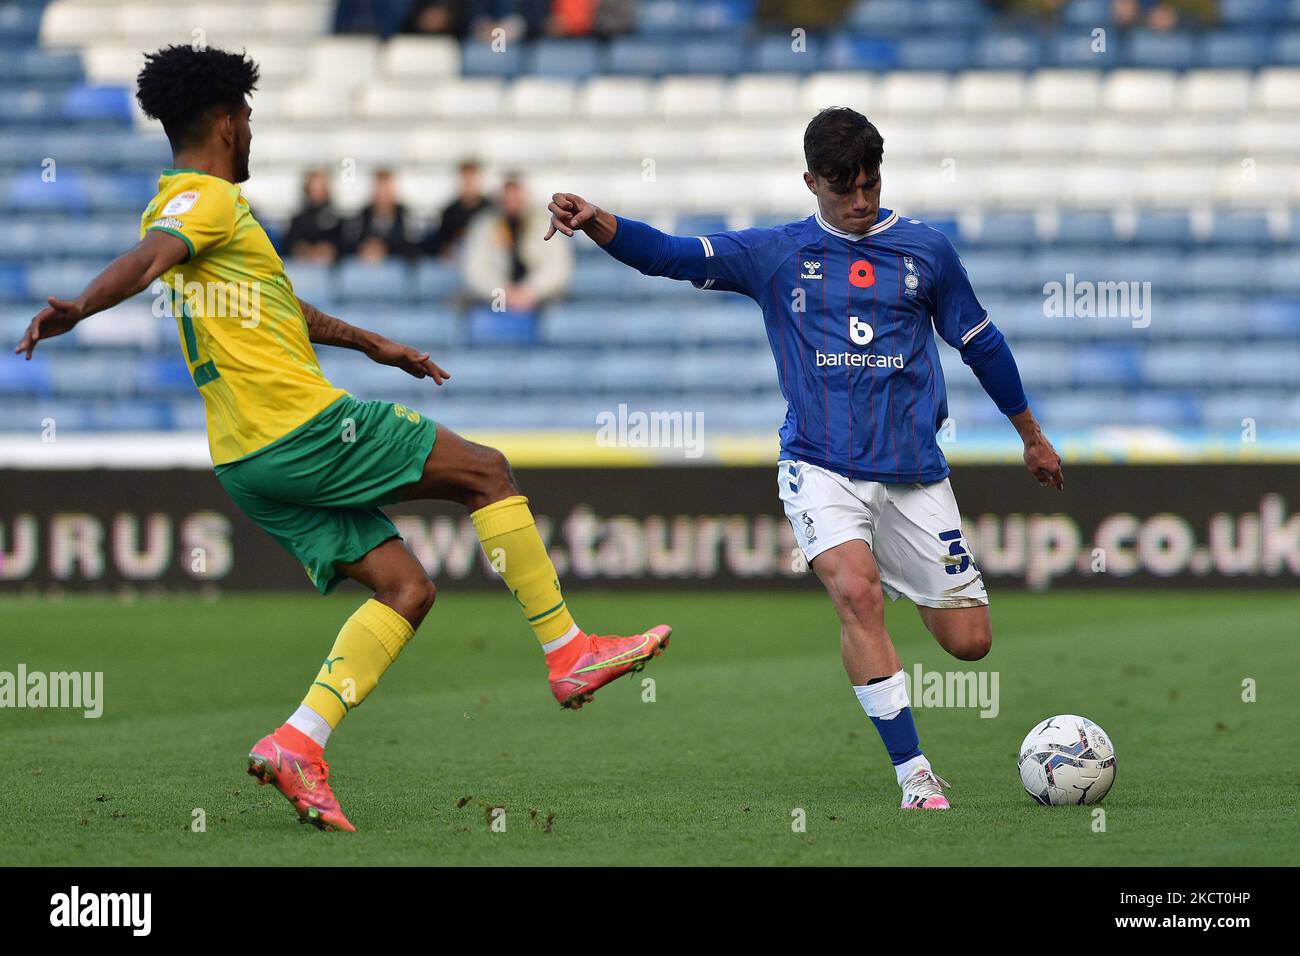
<point>862,275</point>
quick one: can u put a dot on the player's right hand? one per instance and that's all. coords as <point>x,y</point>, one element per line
<point>569,213</point>
<point>55,319</point>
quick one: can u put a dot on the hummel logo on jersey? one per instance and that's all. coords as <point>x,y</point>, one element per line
<point>810,270</point>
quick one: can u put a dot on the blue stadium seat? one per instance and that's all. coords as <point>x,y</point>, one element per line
<point>1233,50</point>
<point>1274,318</point>
<point>1240,227</point>
<point>948,16</point>
<point>700,224</point>
<point>641,55</point>
<point>576,58</point>
<point>621,372</point>
<point>1151,49</point>
<point>858,52</point>
<point>435,279</point>
<point>19,24</point>
<point>487,327</point>
<point>1087,13</point>
<point>128,415</point>
<point>32,66</point>
<point>775,53</point>
<point>1085,228</point>
<point>1077,50</point>
<point>109,103</point>
<point>934,53</point>
<point>478,58</point>
<point>62,277</point>
<point>13,282</point>
<point>429,327</point>
<point>1008,51</point>
<point>1163,227</point>
<point>708,55</point>
<point>883,17</point>
<point>28,106</point>
<point>1003,229</point>
<point>23,378</point>
<point>385,281</point>
<point>1214,271</point>
<point>1280,273</point>
<point>312,281</point>
<point>1278,366</point>
<point>1286,48</point>
<point>162,376</point>
<point>1251,13</point>
<point>1106,365</point>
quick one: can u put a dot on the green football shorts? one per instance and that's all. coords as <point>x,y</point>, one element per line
<point>318,490</point>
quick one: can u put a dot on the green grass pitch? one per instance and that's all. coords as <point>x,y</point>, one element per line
<point>752,719</point>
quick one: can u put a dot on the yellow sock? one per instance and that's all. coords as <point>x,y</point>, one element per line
<point>509,536</point>
<point>370,640</point>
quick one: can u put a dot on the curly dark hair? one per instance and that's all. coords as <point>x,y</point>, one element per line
<point>839,143</point>
<point>183,87</point>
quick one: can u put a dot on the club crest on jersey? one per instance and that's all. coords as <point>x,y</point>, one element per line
<point>811,270</point>
<point>182,203</point>
<point>912,281</point>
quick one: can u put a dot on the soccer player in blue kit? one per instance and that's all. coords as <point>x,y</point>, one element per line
<point>849,297</point>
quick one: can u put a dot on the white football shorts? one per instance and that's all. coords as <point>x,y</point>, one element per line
<point>913,530</point>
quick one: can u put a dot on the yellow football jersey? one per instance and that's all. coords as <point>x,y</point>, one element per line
<point>242,330</point>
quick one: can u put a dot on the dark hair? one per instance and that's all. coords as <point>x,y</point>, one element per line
<point>181,87</point>
<point>840,142</point>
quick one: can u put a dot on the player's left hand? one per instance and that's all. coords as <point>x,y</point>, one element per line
<point>1044,463</point>
<point>409,360</point>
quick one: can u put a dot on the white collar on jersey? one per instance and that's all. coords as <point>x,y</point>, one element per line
<point>879,227</point>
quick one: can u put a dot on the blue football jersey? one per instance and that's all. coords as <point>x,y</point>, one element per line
<point>851,321</point>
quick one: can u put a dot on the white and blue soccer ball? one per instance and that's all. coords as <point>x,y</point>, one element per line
<point>1067,759</point>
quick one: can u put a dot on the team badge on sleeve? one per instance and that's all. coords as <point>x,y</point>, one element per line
<point>181,203</point>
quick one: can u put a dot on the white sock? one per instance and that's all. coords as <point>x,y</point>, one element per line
<point>905,770</point>
<point>560,641</point>
<point>307,721</point>
<point>883,699</point>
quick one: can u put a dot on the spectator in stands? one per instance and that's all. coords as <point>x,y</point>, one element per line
<point>1164,14</point>
<point>315,234</point>
<point>809,14</point>
<point>470,200</point>
<point>580,18</point>
<point>479,19</point>
<point>381,229</point>
<point>506,262</point>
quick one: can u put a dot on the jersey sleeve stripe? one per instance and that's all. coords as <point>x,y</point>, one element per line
<point>708,246</point>
<point>965,339</point>
<point>178,234</point>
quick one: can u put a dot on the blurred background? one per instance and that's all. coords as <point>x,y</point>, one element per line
<point>404,151</point>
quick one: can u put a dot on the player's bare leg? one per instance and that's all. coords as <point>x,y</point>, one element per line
<point>964,632</point>
<point>480,478</point>
<point>852,579</point>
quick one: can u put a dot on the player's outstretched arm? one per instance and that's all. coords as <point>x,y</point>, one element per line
<point>726,261</point>
<point>125,276</point>
<point>327,330</point>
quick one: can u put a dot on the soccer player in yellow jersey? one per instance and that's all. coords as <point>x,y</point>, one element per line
<point>305,460</point>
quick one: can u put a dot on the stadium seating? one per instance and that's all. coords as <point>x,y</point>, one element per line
<point>1168,158</point>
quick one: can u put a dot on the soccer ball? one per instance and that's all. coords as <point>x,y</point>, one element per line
<point>1067,759</point>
